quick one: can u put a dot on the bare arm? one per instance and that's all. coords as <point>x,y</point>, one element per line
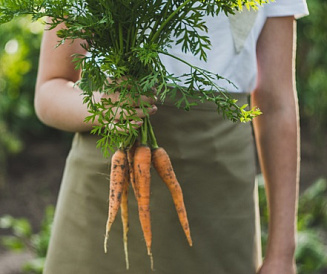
<point>58,103</point>
<point>277,137</point>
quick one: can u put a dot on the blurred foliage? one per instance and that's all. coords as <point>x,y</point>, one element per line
<point>312,68</point>
<point>19,51</point>
<point>311,250</point>
<point>23,239</point>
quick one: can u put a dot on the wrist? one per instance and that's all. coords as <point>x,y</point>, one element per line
<point>281,251</point>
<point>273,266</point>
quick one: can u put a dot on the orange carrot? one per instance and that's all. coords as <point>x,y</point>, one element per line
<point>117,179</point>
<point>142,164</point>
<point>162,164</point>
<point>124,217</point>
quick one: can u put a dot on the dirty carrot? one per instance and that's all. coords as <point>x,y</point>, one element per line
<point>118,175</point>
<point>142,164</point>
<point>130,160</point>
<point>124,217</point>
<point>163,166</point>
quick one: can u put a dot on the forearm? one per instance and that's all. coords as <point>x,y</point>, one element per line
<point>277,137</point>
<point>60,105</point>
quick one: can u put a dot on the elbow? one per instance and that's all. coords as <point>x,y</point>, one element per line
<point>40,107</point>
<point>279,110</point>
<point>280,101</point>
<point>38,110</point>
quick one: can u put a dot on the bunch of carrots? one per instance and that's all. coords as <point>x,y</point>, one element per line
<point>132,167</point>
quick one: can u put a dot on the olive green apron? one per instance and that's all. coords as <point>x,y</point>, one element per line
<point>215,164</point>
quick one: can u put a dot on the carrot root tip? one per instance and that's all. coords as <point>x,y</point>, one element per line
<point>126,255</point>
<point>151,259</point>
<point>105,243</point>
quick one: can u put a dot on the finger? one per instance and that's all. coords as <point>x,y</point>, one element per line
<point>151,100</point>
<point>149,111</point>
<point>117,126</point>
<point>142,100</point>
<point>119,113</point>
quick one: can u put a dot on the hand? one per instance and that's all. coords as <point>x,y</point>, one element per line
<point>277,266</point>
<point>152,108</point>
<point>118,111</point>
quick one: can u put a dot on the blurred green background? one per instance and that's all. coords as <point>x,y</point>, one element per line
<point>32,155</point>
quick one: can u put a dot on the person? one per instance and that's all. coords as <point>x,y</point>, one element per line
<point>214,160</point>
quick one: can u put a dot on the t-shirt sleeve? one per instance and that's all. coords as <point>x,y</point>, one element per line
<point>298,8</point>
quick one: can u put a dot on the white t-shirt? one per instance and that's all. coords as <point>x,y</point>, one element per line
<point>238,66</point>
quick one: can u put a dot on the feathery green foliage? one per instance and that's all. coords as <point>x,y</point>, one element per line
<point>125,40</point>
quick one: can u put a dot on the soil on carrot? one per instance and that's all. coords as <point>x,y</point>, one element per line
<point>33,176</point>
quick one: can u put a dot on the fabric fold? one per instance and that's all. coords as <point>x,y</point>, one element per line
<point>241,24</point>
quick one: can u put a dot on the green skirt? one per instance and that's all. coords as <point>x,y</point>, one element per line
<point>214,161</point>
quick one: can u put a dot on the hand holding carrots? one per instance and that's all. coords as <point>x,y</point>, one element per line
<point>142,107</point>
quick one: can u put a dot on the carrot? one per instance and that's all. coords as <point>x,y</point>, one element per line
<point>163,166</point>
<point>142,164</point>
<point>117,179</point>
<point>130,160</point>
<point>124,217</point>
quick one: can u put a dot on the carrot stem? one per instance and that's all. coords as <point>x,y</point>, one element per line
<point>152,136</point>
<point>144,132</point>
<point>155,36</point>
